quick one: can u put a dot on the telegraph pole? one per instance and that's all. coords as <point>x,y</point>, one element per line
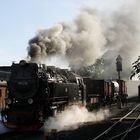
<point>119,65</point>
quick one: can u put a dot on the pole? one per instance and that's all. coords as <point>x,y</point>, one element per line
<point>119,77</point>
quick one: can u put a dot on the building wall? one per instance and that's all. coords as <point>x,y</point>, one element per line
<point>132,88</point>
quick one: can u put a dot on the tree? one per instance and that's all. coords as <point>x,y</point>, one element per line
<point>135,68</point>
<point>95,70</point>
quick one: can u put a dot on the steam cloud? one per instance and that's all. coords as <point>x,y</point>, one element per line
<point>81,42</point>
<point>72,117</point>
<point>123,38</point>
<point>92,36</point>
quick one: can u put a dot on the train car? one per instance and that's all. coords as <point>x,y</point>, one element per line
<point>111,93</point>
<point>122,87</point>
<point>37,92</point>
<point>105,92</point>
<point>3,94</point>
<point>98,92</point>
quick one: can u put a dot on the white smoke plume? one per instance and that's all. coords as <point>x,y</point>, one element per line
<point>81,42</point>
<point>122,35</point>
<point>74,116</point>
<point>91,36</point>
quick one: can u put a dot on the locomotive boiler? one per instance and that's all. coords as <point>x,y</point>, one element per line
<point>36,92</point>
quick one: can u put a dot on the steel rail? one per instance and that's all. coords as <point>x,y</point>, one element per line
<point>130,130</point>
<point>130,127</point>
<point>120,120</point>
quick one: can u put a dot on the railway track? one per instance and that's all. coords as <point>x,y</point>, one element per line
<point>126,126</point>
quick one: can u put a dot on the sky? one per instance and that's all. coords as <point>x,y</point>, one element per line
<point>21,19</point>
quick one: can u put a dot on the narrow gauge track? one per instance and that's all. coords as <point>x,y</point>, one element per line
<point>131,121</point>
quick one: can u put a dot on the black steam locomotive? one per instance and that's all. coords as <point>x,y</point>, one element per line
<point>36,92</point>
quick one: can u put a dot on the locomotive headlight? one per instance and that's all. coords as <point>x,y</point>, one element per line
<point>30,100</point>
<point>8,101</point>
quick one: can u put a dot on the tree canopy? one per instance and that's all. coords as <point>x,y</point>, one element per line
<point>95,70</point>
<point>135,68</point>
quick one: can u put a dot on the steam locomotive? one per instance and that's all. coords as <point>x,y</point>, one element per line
<point>36,92</point>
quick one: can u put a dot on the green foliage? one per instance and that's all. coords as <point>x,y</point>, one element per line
<point>95,70</point>
<point>135,68</point>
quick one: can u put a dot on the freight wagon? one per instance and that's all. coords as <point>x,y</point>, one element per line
<point>105,92</point>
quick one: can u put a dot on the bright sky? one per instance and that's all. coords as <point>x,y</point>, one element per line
<point>20,19</point>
